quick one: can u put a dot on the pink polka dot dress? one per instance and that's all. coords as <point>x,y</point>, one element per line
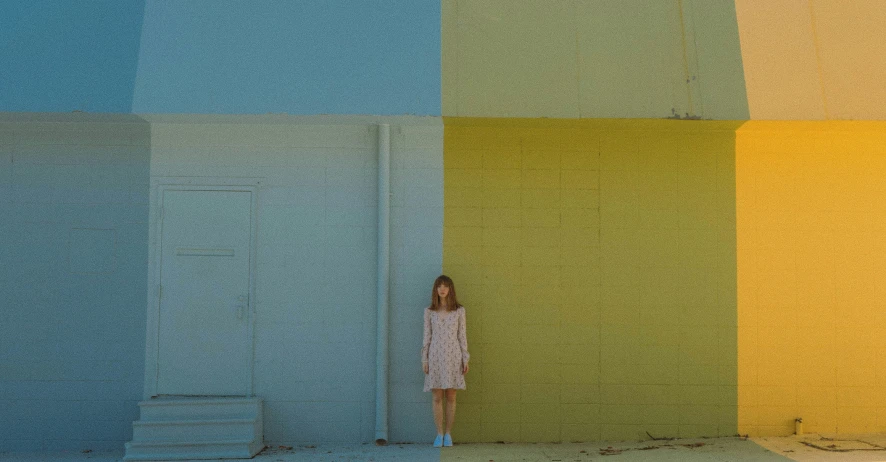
<point>445,349</point>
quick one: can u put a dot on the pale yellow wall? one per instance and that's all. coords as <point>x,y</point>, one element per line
<point>591,59</point>
<point>853,60</point>
<point>811,272</point>
<point>778,52</point>
<point>814,59</point>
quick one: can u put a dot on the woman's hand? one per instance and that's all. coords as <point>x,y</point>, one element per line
<point>465,370</point>
<point>425,367</point>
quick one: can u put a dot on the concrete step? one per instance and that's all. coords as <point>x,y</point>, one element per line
<point>145,451</point>
<point>194,430</point>
<point>202,408</point>
<point>197,428</point>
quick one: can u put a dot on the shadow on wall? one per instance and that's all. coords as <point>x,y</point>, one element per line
<point>64,56</point>
<point>74,201</point>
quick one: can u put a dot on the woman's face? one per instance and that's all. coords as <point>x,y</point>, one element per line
<point>443,291</point>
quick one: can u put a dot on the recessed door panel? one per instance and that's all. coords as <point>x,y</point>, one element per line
<point>203,346</point>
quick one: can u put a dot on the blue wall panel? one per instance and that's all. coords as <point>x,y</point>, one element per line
<point>62,55</point>
<point>221,56</point>
<point>283,56</point>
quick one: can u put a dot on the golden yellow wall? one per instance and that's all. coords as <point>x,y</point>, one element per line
<point>596,259</point>
<point>813,59</point>
<point>811,240</point>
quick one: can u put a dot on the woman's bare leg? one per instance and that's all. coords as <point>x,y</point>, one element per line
<point>450,408</point>
<point>438,409</point>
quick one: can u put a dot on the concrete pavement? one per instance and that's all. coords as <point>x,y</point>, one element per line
<point>807,448</point>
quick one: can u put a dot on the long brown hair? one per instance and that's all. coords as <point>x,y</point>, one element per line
<point>452,300</point>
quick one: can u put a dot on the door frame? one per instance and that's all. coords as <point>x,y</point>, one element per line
<point>152,338</point>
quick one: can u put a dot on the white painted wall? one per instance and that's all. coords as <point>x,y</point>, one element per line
<point>74,203</point>
<point>316,259</point>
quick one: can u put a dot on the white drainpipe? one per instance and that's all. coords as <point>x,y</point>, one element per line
<point>384,283</point>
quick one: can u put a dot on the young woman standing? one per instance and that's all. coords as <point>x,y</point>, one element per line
<point>444,354</point>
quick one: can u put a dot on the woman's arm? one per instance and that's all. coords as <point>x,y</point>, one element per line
<point>463,336</point>
<point>426,342</point>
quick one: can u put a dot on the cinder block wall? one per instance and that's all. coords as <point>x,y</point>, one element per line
<point>596,259</point>
<point>74,193</point>
<point>316,265</point>
<point>811,276</point>
<point>73,279</point>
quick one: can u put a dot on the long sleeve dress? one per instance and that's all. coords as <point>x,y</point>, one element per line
<point>445,349</point>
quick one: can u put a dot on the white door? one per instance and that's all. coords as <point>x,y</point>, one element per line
<point>204,346</point>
